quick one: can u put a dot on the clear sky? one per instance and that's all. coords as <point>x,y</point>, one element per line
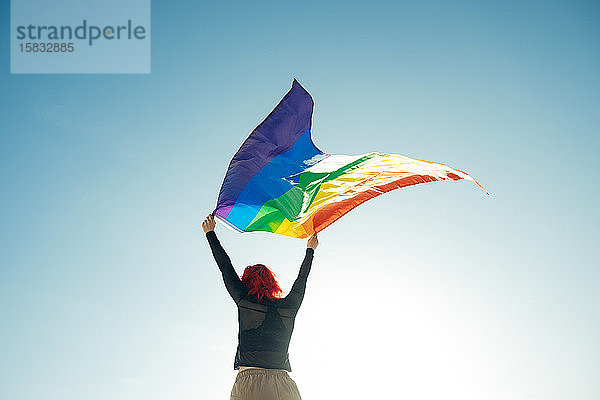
<point>107,286</point>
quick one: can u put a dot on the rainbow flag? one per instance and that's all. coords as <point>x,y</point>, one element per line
<point>280,182</point>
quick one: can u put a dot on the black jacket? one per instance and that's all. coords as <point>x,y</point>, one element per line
<point>265,326</point>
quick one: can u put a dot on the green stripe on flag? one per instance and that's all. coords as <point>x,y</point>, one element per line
<point>298,199</point>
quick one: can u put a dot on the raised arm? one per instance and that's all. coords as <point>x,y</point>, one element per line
<point>234,285</point>
<point>296,294</point>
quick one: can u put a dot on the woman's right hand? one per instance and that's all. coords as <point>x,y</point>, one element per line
<point>313,242</point>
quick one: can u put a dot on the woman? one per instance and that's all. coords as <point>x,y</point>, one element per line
<point>266,322</point>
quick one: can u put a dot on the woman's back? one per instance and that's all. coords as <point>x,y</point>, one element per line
<point>265,324</point>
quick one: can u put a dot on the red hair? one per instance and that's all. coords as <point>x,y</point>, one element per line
<point>261,281</point>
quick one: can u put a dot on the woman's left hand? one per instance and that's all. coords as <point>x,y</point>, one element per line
<point>209,224</point>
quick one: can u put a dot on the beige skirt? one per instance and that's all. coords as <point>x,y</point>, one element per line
<point>264,384</point>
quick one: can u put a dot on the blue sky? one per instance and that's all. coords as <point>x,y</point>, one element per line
<point>107,287</point>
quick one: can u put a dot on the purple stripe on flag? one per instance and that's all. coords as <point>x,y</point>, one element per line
<point>275,135</point>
